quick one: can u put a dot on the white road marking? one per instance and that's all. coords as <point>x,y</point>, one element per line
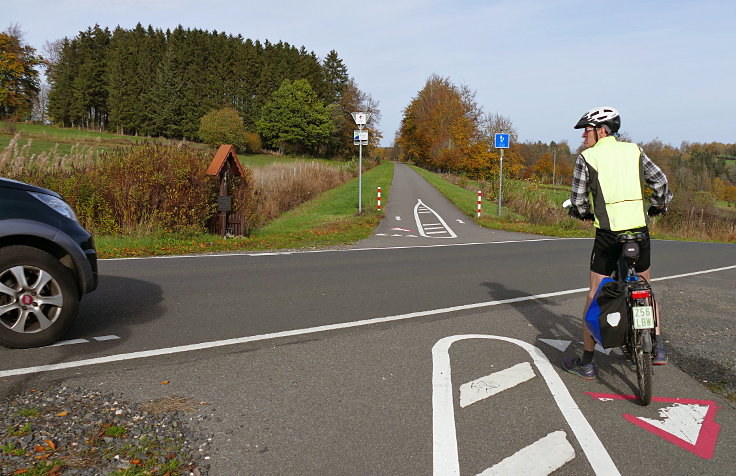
<point>104,338</point>
<point>599,348</point>
<point>560,345</point>
<point>497,382</point>
<point>435,232</point>
<point>540,458</point>
<point>420,207</point>
<point>68,342</point>
<point>444,439</point>
<point>681,420</point>
<point>347,250</point>
<point>398,218</point>
<point>460,221</point>
<point>295,332</point>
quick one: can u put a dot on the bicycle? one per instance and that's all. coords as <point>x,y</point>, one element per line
<point>641,309</point>
<point>642,314</point>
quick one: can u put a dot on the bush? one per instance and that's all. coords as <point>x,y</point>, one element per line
<point>145,188</point>
<point>225,126</point>
<point>252,143</point>
<point>154,187</point>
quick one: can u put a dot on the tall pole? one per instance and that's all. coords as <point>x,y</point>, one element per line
<point>554,165</point>
<point>500,182</point>
<point>360,176</point>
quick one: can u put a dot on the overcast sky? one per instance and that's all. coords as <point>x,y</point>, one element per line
<point>669,67</point>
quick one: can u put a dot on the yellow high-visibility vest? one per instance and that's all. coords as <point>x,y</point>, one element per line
<point>615,181</point>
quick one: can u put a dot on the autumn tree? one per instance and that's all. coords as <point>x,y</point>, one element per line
<point>19,83</point>
<point>222,126</point>
<point>443,128</point>
<point>439,125</point>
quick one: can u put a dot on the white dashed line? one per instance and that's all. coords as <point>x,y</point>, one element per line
<point>69,342</point>
<point>104,338</point>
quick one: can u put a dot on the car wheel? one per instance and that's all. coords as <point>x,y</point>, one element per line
<point>39,298</point>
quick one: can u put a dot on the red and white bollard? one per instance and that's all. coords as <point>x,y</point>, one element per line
<point>379,199</point>
<point>480,198</point>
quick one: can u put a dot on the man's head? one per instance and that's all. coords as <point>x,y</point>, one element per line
<point>597,123</point>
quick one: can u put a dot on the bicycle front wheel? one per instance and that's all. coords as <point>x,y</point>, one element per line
<point>643,360</point>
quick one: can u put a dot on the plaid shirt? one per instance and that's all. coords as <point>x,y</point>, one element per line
<point>653,175</point>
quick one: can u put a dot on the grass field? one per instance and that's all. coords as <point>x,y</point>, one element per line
<point>44,138</point>
<point>66,141</point>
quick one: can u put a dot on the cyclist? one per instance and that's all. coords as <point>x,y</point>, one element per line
<point>613,172</point>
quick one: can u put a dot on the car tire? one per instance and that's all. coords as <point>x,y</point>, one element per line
<point>37,292</point>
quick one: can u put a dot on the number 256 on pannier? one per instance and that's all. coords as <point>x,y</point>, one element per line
<point>607,318</point>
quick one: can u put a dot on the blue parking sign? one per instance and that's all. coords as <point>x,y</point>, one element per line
<point>502,141</point>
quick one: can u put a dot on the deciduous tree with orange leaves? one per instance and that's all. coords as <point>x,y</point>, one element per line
<point>443,128</point>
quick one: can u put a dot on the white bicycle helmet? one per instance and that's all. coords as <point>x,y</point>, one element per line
<point>601,116</point>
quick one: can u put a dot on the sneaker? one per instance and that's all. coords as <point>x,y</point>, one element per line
<point>575,366</point>
<point>660,356</point>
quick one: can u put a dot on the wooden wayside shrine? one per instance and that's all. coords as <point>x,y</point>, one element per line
<point>225,165</point>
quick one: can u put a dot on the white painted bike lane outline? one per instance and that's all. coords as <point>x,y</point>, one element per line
<point>420,227</point>
<point>444,442</point>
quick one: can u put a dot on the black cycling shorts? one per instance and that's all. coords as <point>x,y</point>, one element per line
<point>606,251</point>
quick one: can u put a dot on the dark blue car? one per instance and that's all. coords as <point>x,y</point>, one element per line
<point>48,262</point>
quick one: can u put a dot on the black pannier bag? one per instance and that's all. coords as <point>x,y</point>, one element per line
<point>607,318</point>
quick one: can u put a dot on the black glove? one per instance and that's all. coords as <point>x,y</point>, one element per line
<point>654,211</point>
<point>573,212</point>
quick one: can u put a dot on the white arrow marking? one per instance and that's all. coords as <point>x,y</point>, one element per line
<point>680,420</point>
<point>398,218</point>
<point>497,382</point>
<point>540,458</point>
<point>460,221</point>
<point>560,345</point>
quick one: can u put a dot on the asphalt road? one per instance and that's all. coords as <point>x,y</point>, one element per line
<point>364,361</point>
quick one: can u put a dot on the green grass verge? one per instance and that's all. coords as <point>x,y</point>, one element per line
<point>330,219</point>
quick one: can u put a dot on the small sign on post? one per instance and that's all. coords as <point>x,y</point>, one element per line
<point>502,142</point>
<point>360,118</point>
<point>360,138</point>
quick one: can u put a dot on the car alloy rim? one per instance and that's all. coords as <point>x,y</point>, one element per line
<point>30,299</point>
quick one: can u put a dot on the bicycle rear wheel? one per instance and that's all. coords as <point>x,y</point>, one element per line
<point>643,361</point>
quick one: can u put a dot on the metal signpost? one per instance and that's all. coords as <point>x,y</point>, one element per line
<point>502,142</point>
<point>360,138</point>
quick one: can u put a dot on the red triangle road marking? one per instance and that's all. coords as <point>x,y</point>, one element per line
<point>688,423</point>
